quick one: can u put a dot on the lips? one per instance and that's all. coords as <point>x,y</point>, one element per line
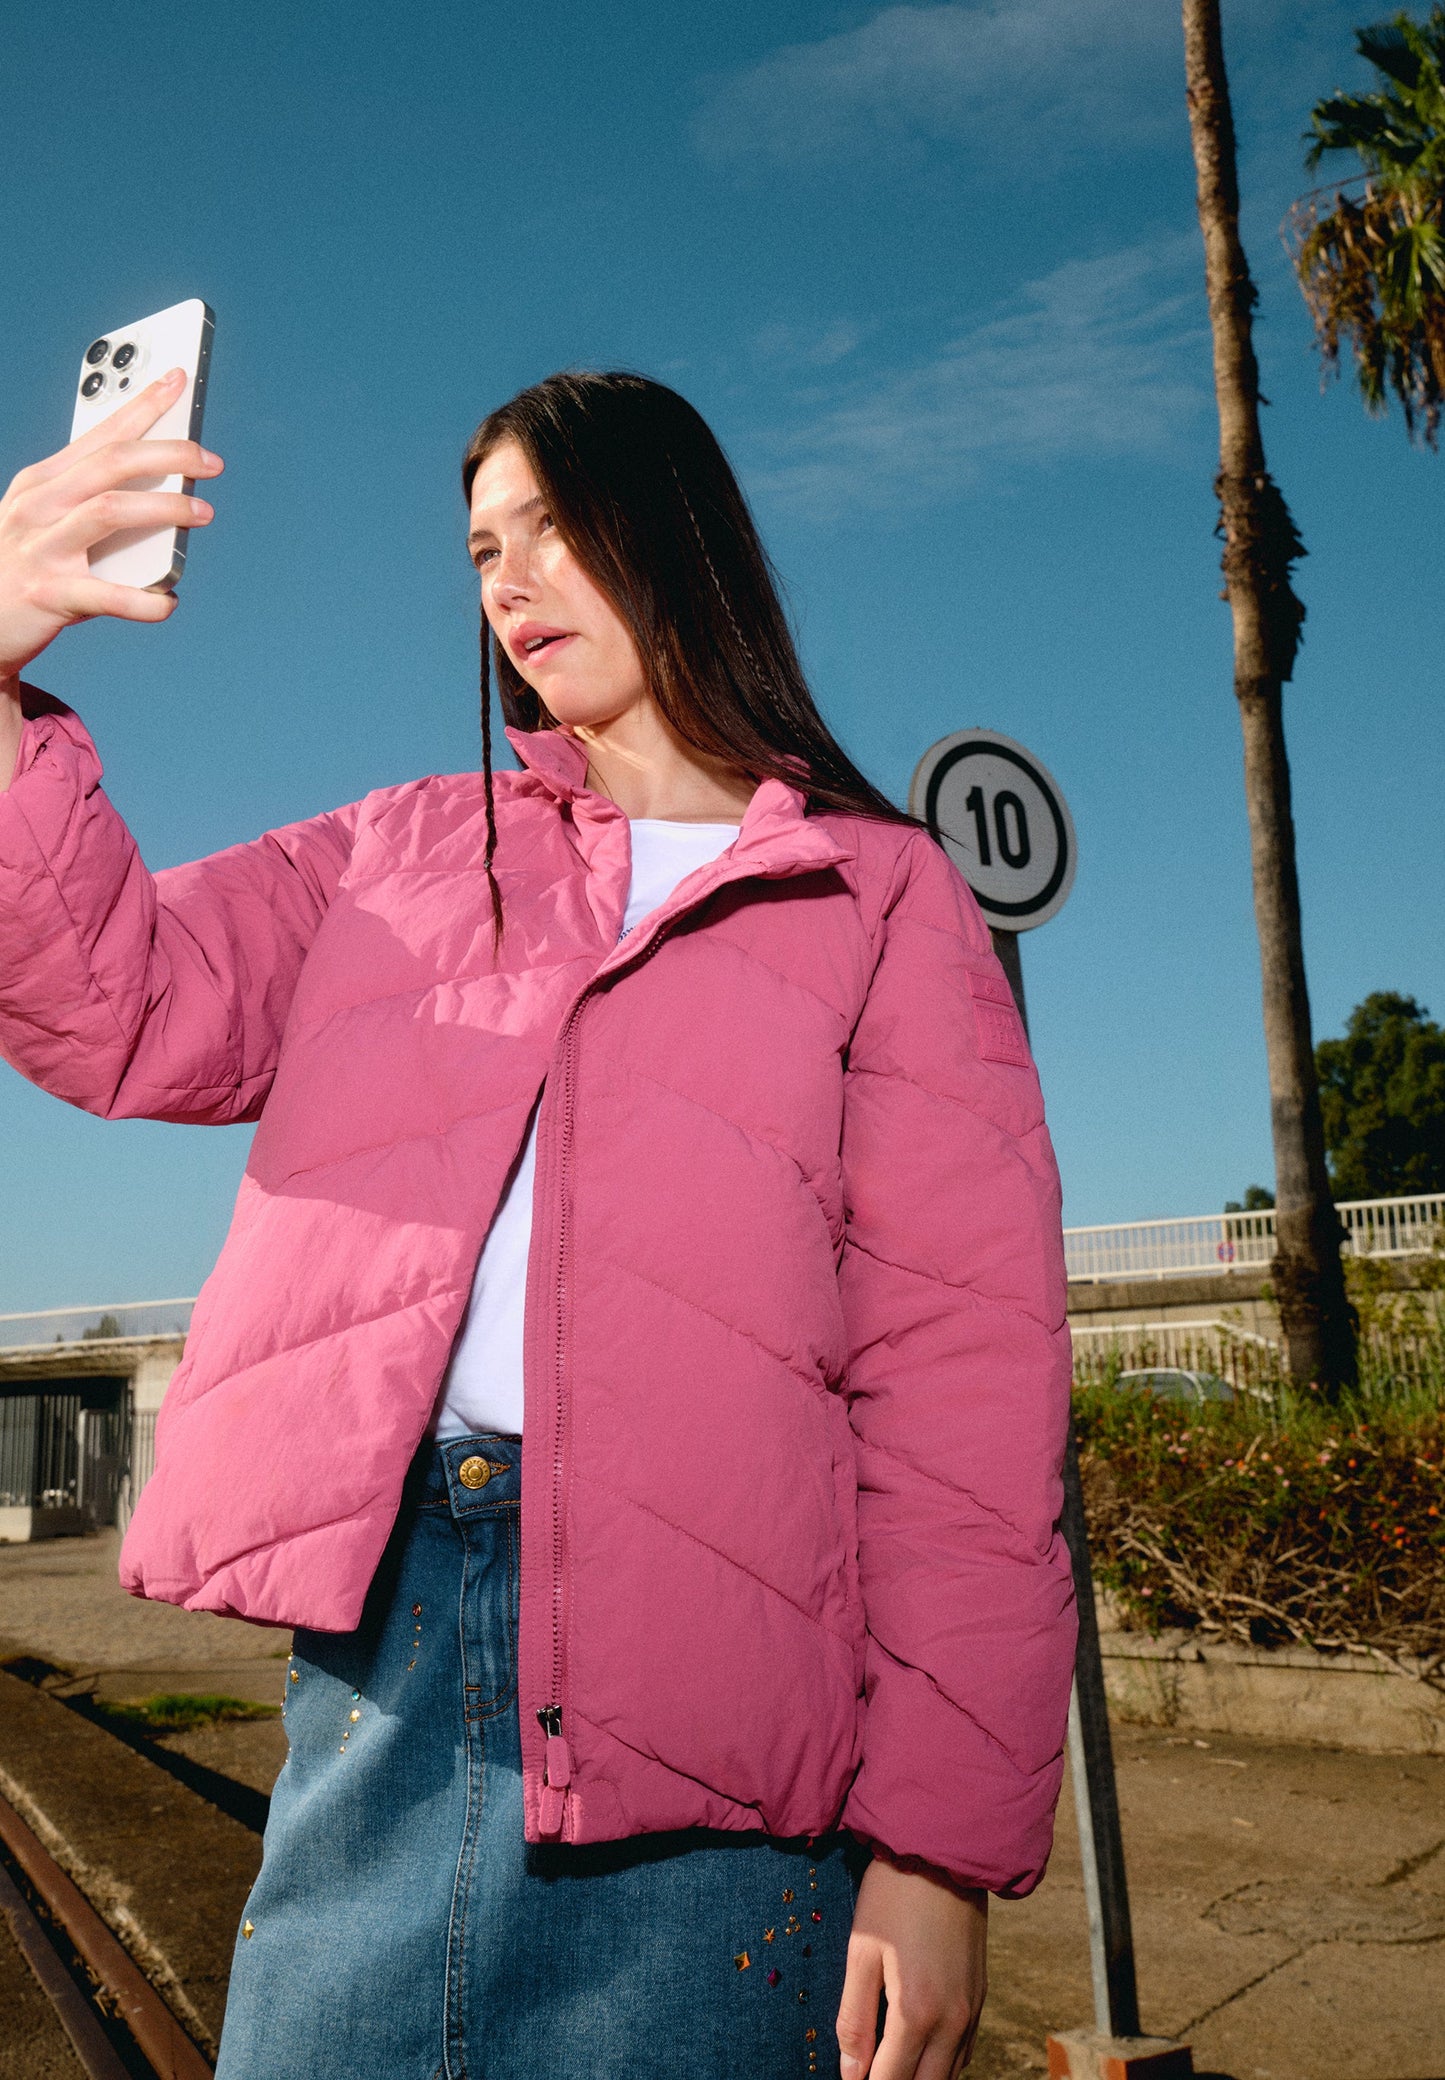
<point>534,640</point>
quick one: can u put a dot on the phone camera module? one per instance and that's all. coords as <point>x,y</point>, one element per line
<point>124,355</point>
<point>97,351</point>
<point>93,384</point>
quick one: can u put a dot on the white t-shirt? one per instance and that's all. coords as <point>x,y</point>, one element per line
<point>482,1388</point>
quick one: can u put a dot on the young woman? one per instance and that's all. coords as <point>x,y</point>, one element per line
<point>637,1366</point>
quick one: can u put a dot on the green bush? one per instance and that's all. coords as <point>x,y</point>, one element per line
<point>1273,1519</point>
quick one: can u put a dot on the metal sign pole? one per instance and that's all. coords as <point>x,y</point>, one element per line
<point>1096,1799</point>
<point>1006,946</point>
<point>1091,1754</point>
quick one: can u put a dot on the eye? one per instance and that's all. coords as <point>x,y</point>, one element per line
<point>482,557</point>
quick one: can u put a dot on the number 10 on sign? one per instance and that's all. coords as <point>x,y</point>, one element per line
<point>1003,821</point>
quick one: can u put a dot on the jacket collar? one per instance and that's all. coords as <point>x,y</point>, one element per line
<point>775,833</point>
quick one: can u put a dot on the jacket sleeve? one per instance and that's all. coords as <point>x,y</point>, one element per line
<point>135,995</point>
<point>953,1289</point>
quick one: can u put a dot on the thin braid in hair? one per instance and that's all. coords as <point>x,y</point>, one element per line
<point>718,585</point>
<point>486,676</point>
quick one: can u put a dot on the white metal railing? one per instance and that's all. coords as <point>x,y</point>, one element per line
<point>1236,1354</point>
<point>126,1321</point>
<point>1233,1241</point>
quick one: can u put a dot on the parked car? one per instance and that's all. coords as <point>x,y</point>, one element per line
<point>1173,1383</point>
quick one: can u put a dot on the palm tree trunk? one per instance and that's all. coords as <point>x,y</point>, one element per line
<point>1260,547</point>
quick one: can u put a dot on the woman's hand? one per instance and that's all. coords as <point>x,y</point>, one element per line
<point>53,514</point>
<point>922,1940</point>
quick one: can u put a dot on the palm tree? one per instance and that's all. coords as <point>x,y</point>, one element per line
<point>1261,546</point>
<point>1372,266</point>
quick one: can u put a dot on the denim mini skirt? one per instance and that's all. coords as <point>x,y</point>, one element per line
<point>402,1929</point>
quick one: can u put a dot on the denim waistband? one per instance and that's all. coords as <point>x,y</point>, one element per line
<point>468,1475</point>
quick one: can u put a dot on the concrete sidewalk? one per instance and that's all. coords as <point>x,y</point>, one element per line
<point>1288,1906</point>
<point>1289,1901</point>
<point>60,1601</point>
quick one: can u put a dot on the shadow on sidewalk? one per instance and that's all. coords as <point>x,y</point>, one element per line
<point>241,1802</point>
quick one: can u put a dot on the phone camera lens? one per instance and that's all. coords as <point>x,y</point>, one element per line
<point>124,355</point>
<point>97,351</point>
<point>93,383</point>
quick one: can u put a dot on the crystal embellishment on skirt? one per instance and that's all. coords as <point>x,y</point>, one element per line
<point>248,1929</point>
<point>816,1915</point>
<point>742,1960</point>
<point>788,1896</point>
<point>774,1976</point>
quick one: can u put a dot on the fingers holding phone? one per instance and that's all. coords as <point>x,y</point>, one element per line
<point>101,526</point>
<point>57,512</point>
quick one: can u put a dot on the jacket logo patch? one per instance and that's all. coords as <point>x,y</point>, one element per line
<point>1000,1029</point>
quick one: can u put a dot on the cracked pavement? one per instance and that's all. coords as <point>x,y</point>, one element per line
<point>1288,1906</point>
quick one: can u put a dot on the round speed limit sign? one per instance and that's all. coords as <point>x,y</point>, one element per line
<point>1004,823</point>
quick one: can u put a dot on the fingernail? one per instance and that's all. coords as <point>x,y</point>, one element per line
<point>850,2068</point>
<point>201,510</point>
<point>207,456</point>
<point>172,373</point>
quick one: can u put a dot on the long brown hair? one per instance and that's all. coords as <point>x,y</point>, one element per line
<point>647,502</point>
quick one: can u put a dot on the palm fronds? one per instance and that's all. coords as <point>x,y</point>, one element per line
<point>1370,253</point>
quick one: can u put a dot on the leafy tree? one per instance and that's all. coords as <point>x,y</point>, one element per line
<point>1261,545</point>
<point>1372,266</point>
<point>1257,1199</point>
<point>1383,1091</point>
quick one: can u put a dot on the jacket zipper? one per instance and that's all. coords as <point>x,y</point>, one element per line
<point>557,1763</point>
<point>557,1758</point>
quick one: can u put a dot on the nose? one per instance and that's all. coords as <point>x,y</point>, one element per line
<point>511,576</point>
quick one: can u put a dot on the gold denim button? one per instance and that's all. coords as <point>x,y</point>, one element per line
<point>474,1473</point>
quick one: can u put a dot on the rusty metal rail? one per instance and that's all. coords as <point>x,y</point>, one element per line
<point>92,2046</point>
<point>126,1991</point>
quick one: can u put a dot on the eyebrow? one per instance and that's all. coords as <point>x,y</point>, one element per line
<point>528,505</point>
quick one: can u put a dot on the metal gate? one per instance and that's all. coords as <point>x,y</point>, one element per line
<point>103,1458</point>
<point>65,1444</point>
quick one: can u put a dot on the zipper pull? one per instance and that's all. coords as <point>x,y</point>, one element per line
<point>556,1769</point>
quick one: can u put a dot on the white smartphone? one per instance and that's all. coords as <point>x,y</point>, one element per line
<point>115,365</point>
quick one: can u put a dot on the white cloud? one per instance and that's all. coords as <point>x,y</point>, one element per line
<point>1100,357</point>
<point>1024,77</point>
<point>802,347</point>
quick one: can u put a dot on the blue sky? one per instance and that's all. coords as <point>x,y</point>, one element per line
<point>933,274</point>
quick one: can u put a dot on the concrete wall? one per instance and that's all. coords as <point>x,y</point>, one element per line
<point>1196,1297</point>
<point>1278,1694</point>
<point>153,1373</point>
<point>1121,1303</point>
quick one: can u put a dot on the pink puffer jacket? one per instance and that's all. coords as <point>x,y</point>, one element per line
<point>796,1366</point>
